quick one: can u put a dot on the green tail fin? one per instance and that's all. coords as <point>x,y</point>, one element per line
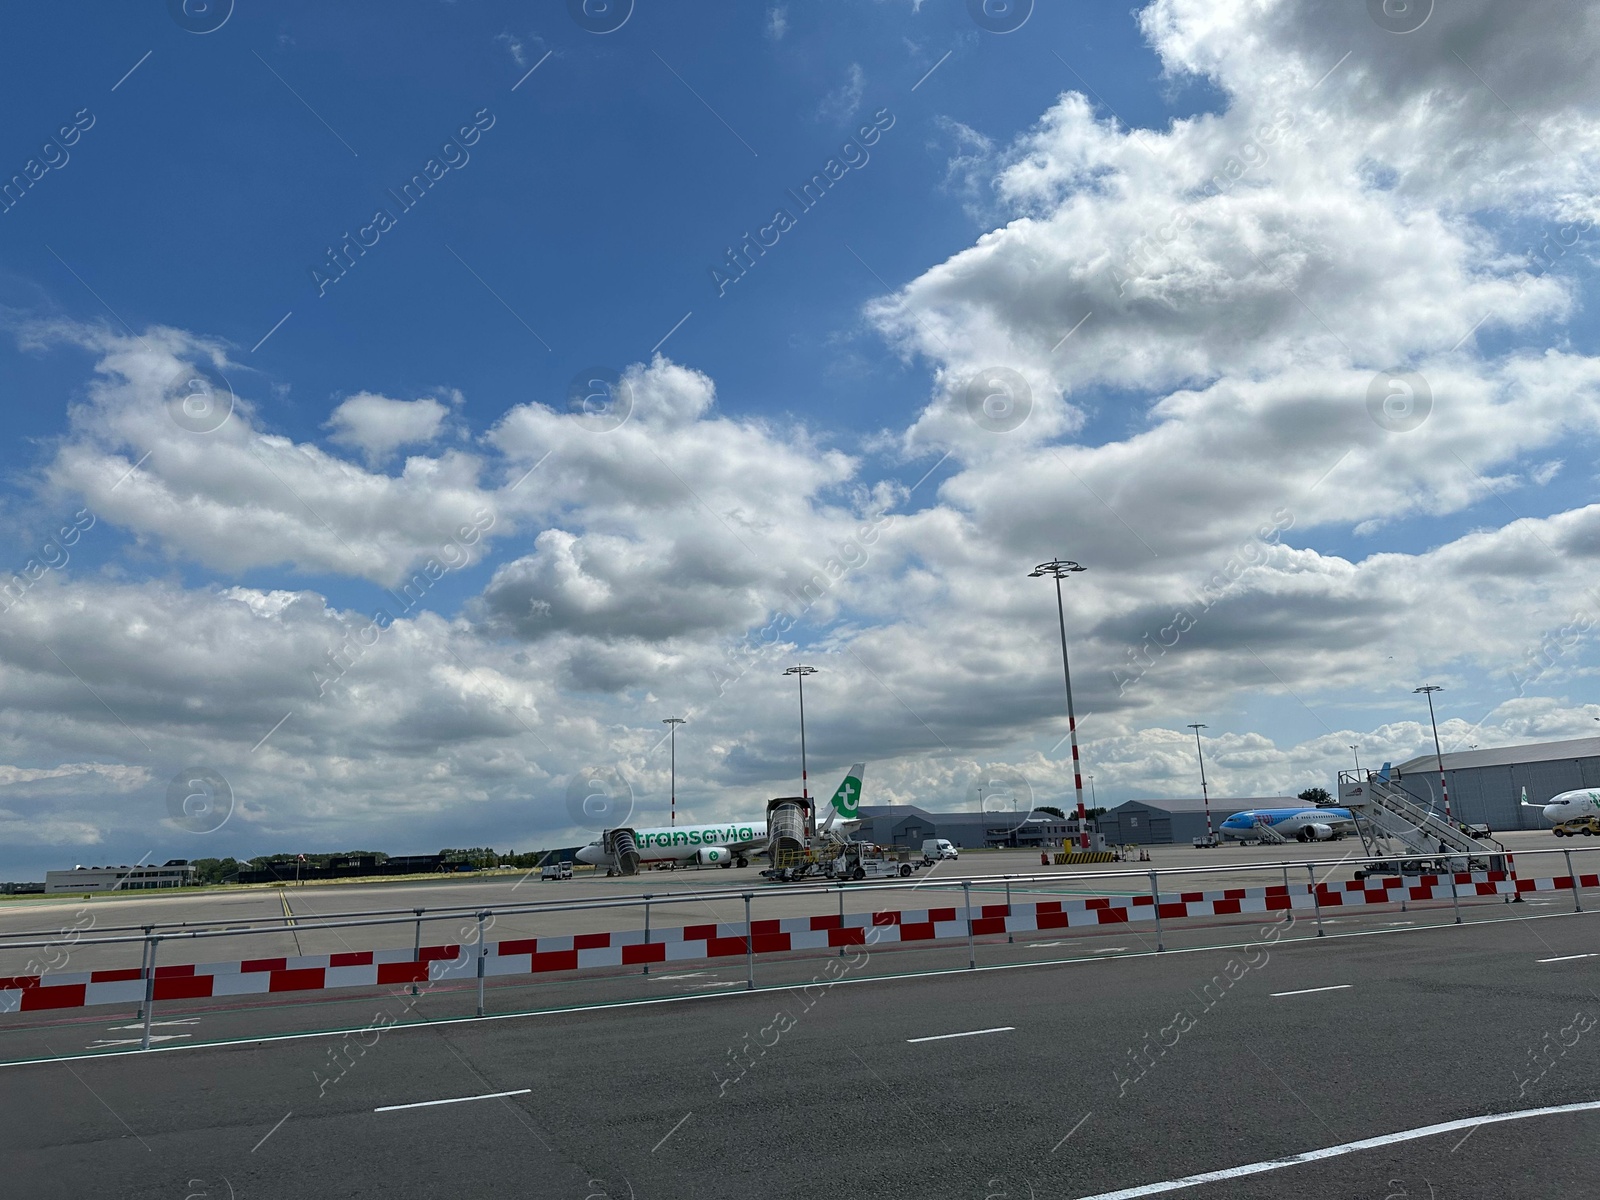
<point>847,799</point>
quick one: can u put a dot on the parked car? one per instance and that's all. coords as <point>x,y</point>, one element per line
<point>1577,825</point>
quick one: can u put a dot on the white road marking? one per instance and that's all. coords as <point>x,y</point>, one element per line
<point>670,1132</point>
<point>140,1024</point>
<point>1338,987</point>
<point>270,1132</point>
<point>1072,1131</point>
<point>1107,950</point>
<point>940,1037</point>
<point>1566,958</point>
<point>154,1037</point>
<point>452,1100</point>
<point>1387,1139</point>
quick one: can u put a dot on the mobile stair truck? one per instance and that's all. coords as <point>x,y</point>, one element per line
<point>1405,836</point>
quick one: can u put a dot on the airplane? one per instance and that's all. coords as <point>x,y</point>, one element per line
<point>725,845</point>
<point>1568,805</point>
<point>1302,824</point>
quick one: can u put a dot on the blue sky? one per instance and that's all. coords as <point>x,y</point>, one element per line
<point>1010,176</point>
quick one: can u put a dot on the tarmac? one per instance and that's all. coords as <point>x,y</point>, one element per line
<point>1073,1079</point>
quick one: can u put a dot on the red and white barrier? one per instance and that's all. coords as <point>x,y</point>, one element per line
<point>576,952</point>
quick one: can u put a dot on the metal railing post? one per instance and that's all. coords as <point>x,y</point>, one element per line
<point>1311,874</point>
<point>1572,878</point>
<point>841,918</point>
<point>1010,937</point>
<point>144,962</point>
<point>749,948</point>
<point>966,900</point>
<point>483,951</point>
<point>1155,903</point>
<point>1288,913</point>
<point>149,993</point>
<point>1455,897</point>
<point>416,947</point>
<point>647,929</point>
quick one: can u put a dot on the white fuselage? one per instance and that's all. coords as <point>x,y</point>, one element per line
<point>1287,822</point>
<point>683,842</point>
<point>1569,805</point>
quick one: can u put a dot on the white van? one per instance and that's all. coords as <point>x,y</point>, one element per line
<point>937,849</point>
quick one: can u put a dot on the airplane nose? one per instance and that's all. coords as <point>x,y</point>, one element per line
<point>1552,812</point>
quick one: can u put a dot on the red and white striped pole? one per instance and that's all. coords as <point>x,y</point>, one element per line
<point>1438,755</point>
<point>1059,569</point>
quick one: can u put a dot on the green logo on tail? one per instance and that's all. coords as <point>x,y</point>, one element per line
<point>848,798</point>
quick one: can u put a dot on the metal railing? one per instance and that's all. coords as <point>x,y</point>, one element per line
<point>152,935</point>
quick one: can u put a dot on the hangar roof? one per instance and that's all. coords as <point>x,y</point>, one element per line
<point>1504,756</point>
<point>1229,804</point>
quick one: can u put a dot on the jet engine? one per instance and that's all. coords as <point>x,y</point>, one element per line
<point>714,856</point>
<point>1316,833</point>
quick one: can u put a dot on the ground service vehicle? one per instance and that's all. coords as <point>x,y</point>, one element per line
<point>936,850</point>
<point>556,870</point>
<point>1576,826</point>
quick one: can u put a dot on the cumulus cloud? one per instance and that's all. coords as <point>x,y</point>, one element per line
<point>199,474</point>
<point>378,426</point>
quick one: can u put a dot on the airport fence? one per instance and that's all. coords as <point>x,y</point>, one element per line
<point>472,959</point>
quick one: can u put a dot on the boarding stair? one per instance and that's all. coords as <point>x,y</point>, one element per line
<point>624,850</point>
<point>1394,822</point>
<point>1267,835</point>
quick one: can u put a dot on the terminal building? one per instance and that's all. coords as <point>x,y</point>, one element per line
<point>176,873</point>
<point>1486,785</point>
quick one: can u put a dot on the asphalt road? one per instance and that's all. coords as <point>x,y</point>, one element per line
<point>1104,1075</point>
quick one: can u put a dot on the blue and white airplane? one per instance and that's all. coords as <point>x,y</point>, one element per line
<point>1303,824</point>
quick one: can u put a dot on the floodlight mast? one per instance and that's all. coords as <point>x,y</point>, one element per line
<point>1058,569</point>
<point>800,672</point>
<point>672,724</point>
<point>1438,755</point>
<point>1205,796</point>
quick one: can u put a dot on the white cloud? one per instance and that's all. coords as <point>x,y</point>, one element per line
<point>841,105</point>
<point>514,47</point>
<point>220,489</point>
<point>378,426</point>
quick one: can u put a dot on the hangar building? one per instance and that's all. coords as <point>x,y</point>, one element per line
<point>1486,785</point>
<point>909,825</point>
<point>1159,822</point>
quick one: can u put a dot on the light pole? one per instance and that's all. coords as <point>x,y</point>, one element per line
<point>1205,796</point>
<point>1058,569</point>
<point>1438,755</point>
<point>1356,750</point>
<point>672,724</point>
<point>800,674</point>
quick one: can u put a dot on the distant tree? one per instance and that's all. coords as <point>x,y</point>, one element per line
<point>1051,809</point>
<point>1096,812</point>
<point>216,870</point>
<point>1316,795</point>
<point>477,857</point>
